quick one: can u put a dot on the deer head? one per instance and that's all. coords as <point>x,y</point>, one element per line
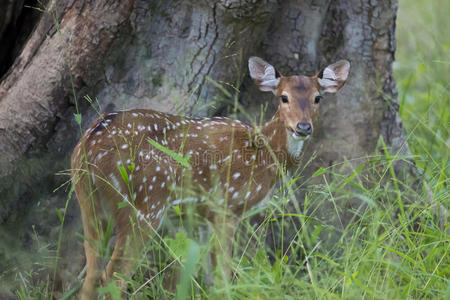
<point>298,95</point>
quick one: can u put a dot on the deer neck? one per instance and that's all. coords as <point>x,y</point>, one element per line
<point>285,146</point>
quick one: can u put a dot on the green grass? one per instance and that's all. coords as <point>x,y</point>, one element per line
<point>394,249</point>
<point>422,73</point>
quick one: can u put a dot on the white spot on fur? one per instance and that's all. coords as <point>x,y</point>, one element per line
<point>185,200</point>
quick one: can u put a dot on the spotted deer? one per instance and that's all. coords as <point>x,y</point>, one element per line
<point>129,166</point>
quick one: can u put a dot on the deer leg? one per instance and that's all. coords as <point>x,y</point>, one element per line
<point>121,262</point>
<point>128,247</point>
<point>91,280</point>
<point>93,230</point>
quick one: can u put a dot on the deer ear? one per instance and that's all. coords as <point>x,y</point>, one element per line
<point>264,74</point>
<point>333,77</point>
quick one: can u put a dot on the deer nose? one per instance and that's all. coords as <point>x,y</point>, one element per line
<point>303,129</point>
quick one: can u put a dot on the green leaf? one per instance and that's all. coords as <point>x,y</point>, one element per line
<point>277,271</point>
<point>183,160</point>
<point>110,289</point>
<point>262,261</point>
<point>71,293</point>
<point>326,259</point>
<point>320,171</point>
<point>366,199</point>
<point>123,174</point>
<point>60,215</point>
<point>192,254</point>
<point>178,245</point>
<point>290,183</point>
<point>79,235</point>
<point>122,204</point>
<point>131,167</point>
<point>354,174</point>
<point>177,210</point>
<point>316,232</point>
<point>107,237</point>
<point>77,118</point>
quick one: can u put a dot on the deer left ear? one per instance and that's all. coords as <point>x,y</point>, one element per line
<point>333,77</point>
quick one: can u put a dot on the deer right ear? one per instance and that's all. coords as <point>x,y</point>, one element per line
<point>263,74</point>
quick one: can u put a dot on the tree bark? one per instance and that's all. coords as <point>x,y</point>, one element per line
<point>169,56</point>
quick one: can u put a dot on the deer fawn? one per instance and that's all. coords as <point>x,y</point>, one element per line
<point>124,157</point>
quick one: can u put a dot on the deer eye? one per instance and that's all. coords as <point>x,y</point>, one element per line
<point>317,99</point>
<point>284,98</point>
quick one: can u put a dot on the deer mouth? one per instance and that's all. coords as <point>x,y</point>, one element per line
<point>297,135</point>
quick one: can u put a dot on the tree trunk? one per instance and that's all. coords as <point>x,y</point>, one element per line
<point>171,56</point>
